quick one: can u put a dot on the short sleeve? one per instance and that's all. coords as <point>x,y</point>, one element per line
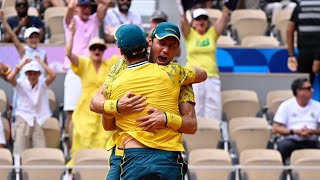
<point>187,75</point>
<point>281,115</point>
<point>294,15</point>
<point>186,94</point>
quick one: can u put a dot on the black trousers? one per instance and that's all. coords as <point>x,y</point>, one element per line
<point>287,146</point>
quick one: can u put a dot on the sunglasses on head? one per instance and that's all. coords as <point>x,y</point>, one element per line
<point>201,18</point>
<point>22,5</point>
<point>306,88</point>
<point>99,47</point>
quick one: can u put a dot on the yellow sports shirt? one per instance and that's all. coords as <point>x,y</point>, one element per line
<point>201,51</point>
<point>161,86</point>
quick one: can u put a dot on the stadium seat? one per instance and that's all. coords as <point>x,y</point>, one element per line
<point>3,101</point>
<point>208,135</point>
<point>91,157</point>
<point>249,133</point>
<point>6,126</point>
<point>281,23</point>
<point>8,3</point>
<point>45,157</point>
<point>53,18</point>
<point>273,100</point>
<point>260,42</point>
<point>225,41</point>
<point>239,103</point>
<point>263,158</point>
<point>52,100</point>
<point>213,158</point>
<point>5,160</point>
<point>242,22</point>
<point>52,132</point>
<point>11,11</point>
<point>305,157</point>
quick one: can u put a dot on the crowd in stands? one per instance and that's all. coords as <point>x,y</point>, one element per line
<point>89,24</point>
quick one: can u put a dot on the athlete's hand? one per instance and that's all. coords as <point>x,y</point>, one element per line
<point>155,120</point>
<point>131,103</point>
<point>292,63</point>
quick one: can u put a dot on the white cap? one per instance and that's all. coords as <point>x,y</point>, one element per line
<point>32,66</point>
<point>29,31</point>
<point>199,12</point>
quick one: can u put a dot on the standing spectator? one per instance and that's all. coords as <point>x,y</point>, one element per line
<point>305,19</point>
<point>23,21</point>
<point>32,39</point>
<point>121,14</point>
<point>87,26</point>
<point>92,70</point>
<point>32,108</point>
<point>297,119</point>
<point>201,46</point>
<point>272,7</point>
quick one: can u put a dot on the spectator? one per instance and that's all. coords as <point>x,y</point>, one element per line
<point>201,41</point>
<point>272,7</point>
<point>157,17</point>
<point>23,21</point>
<point>297,119</point>
<point>32,39</point>
<point>121,14</point>
<point>305,20</point>
<point>87,26</point>
<point>92,70</point>
<point>4,70</point>
<point>32,108</point>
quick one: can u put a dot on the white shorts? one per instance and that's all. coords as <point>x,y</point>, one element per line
<point>208,98</point>
<point>72,91</point>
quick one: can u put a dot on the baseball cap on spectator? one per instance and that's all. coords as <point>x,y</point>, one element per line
<point>32,66</point>
<point>84,2</point>
<point>158,14</point>
<point>166,29</point>
<point>131,38</point>
<point>30,31</point>
<point>199,12</point>
<point>97,41</point>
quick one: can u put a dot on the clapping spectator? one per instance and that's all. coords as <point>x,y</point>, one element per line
<point>23,21</point>
<point>32,109</point>
<point>297,119</point>
<point>121,14</point>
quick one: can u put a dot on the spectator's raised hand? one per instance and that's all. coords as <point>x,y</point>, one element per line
<point>106,2</point>
<point>292,63</point>
<point>2,15</point>
<point>23,21</point>
<point>25,61</point>
<point>73,4</point>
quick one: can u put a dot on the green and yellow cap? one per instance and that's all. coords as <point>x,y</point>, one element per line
<point>166,29</point>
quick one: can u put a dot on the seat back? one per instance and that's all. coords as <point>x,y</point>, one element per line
<point>263,158</point>
<point>306,157</point>
<point>225,41</point>
<point>207,135</point>
<point>5,160</point>
<point>52,100</point>
<point>43,157</point>
<point>91,157</point>
<point>240,103</point>
<point>214,14</point>
<point>260,41</point>
<point>209,157</point>
<point>281,23</point>
<point>6,127</point>
<point>53,17</point>
<point>51,130</point>
<point>274,98</point>
<point>8,3</point>
<point>242,21</point>
<point>11,11</point>
<point>254,128</point>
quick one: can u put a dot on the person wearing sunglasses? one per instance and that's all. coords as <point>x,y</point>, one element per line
<point>200,38</point>
<point>92,70</point>
<point>297,119</point>
<point>22,21</point>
